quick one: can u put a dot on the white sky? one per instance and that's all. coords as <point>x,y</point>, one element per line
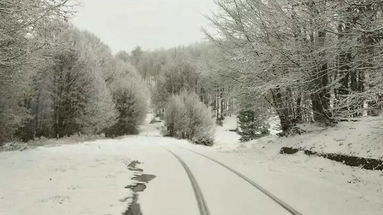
<point>151,24</point>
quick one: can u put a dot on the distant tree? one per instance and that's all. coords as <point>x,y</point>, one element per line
<point>123,55</point>
<point>174,79</point>
<point>136,56</point>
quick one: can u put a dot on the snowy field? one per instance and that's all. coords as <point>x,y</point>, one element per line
<point>90,177</point>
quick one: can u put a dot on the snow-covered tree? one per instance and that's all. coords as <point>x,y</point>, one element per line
<point>81,101</point>
<point>130,95</point>
<point>310,59</point>
<point>22,24</point>
<point>187,117</point>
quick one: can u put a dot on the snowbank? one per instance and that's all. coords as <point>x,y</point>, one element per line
<point>74,139</point>
<point>363,138</point>
<point>314,185</point>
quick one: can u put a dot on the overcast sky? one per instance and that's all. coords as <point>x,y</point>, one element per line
<point>151,24</point>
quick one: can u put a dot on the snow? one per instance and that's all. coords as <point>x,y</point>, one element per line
<point>69,179</point>
<point>225,192</point>
<point>152,126</point>
<point>170,192</point>
<point>226,139</point>
<point>225,136</point>
<point>89,177</point>
<point>363,138</point>
<point>311,185</point>
<point>316,185</point>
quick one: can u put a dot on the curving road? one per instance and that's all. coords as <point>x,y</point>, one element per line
<point>222,190</point>
<point>202,205</point>
<point>280,202</point>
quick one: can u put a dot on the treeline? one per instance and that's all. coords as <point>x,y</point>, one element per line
<point>317,61</point>
<point>187,89</point>
<point>58,81</point>
<point>197,73</point>
<point>192,68</point>
<point>304,61</point>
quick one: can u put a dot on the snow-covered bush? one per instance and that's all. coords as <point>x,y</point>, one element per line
<point>175,117</point>
<point>187,117</point>
<point>200,124</point>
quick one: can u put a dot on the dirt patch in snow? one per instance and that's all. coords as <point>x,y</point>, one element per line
<point>144,178</point>
<point>140,185</point>
<point>134,207</point>
<point>132,166</point>
<point>364,163</point>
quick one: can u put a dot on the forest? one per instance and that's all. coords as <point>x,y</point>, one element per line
<point>302,61</point>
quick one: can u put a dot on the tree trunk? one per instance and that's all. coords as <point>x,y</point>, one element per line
<point>321,95</point>
<point>283,111</point>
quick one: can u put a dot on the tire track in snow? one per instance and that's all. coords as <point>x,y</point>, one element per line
<point>202,206</point>
<point>280,202</point>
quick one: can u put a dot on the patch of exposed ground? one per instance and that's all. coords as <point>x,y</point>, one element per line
<point>141,181</point>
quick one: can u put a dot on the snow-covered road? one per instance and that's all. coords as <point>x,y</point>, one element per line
<point>225,192</point>
<point>90,178</point>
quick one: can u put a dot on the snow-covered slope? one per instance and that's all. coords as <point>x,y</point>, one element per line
<point>363,138</point>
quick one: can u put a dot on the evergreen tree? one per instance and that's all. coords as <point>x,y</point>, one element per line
<point>252,125</point>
